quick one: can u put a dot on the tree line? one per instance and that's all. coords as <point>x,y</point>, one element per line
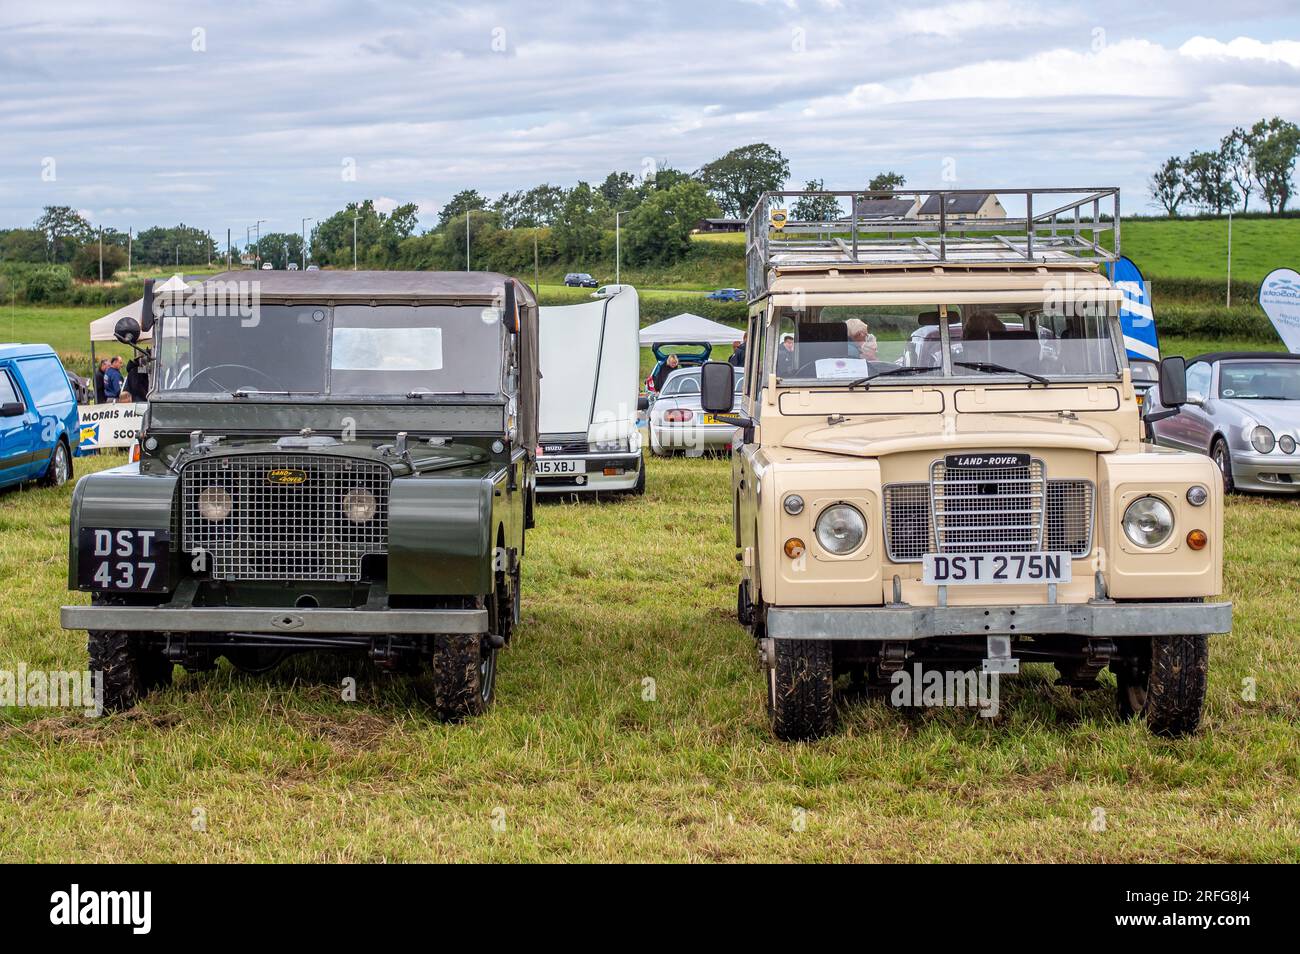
<point>1255,161</point>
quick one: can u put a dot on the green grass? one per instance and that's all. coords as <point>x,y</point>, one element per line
<point>1198,248</point>
<point>581,767</point>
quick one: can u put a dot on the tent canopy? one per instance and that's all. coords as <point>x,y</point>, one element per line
<point>101,329</point>
<point>688,329</point>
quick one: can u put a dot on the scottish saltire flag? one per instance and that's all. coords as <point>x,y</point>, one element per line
<point>1135,314</point>
<point>89,436</point>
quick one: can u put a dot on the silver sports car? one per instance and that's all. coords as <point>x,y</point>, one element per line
<point>678,423</point>
<point>1243,409</point>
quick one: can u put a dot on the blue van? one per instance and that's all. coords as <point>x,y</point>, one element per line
<point>38,416</point>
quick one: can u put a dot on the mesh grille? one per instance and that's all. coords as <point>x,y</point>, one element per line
<point>1069,516</point>
<point>284,531</point>
<point>988,509</point>
<point>907,521</point>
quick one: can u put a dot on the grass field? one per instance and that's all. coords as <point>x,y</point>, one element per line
<point>575,763</point>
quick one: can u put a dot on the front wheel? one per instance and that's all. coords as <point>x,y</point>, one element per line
<point>462,676</point>
<point>1223,460</point>
<point>128,668</point>
<point>56,475</point>
<point>800,698</point>
<point>1166,686</point>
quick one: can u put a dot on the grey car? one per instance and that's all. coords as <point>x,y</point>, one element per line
<point>679,423</point>
<point>1243,409</point>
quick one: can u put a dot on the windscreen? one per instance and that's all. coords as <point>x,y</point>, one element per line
<point>1260,380</point>
<point>348,350</point>
<point>853,343</point>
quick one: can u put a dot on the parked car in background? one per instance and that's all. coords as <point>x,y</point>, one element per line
<point>81,388</point>
<point>292,266</point>
<point>726,294</point>
<point>267,266</point>
<point>1243,409</point>
<point>580,280</point>
<point>604,291</point>
<point>589,355</point>
<point>313,268</point>
<point>678,423</point>
<point>689,355</point>
<point>38,416</point>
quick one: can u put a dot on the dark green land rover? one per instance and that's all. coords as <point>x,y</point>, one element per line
<point>338,461</point>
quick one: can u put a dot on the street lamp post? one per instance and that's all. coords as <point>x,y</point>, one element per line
<point>467,240</point>
<point>618,256</point>
<point>259,242</point>
<point>128,251</point>
<point>304,241</point>
<point>101,253</point>
<point>354,241</point>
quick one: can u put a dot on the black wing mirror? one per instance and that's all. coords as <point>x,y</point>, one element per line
<point>643,403</point>
<point>127,331</point>
<point>1173,382</point>
<point>10,409</point>
<point>717,387</point>
<point>146,310</point>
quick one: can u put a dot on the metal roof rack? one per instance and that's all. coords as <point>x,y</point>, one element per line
<point>902,228</point>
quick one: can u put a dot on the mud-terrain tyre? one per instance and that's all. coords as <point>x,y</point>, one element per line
<point>462,676</point>
<point>800,697</point>
<point>1166,688</point>
<point>131,670</point>
<point>1222,458</point>
<point>60,467</point>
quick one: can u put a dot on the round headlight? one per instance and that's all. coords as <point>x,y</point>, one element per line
<point>793,504</point>
<point>1287,443</point>
<point>841,529</point>
<point>1148,521</point>
<point>1197,495</point>
<point>1261,438</point>
<point>358,505</point>
<point>214,504</point>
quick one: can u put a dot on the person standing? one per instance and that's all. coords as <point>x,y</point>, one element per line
<point>113,380</point>
<point>100,371</point>
<point>671,363</point>
<point>737,358</point>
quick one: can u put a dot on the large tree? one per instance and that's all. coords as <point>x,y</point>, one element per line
<point>460,203</point>
<point>179,245</point>
<point>537,207</point>
<point>64,229</point>
<point>886,181</point>
<point>1235,153</point>
<point>818,208</point>
<point>1275,143</point>
<point>659,231</point>
<point>739,178</point>
<point>1167,185</point>
<point>581,224</point>
<point>1208,181</point>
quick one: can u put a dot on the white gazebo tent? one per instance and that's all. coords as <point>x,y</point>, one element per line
<point>688,329</point>
<point>101,329</point>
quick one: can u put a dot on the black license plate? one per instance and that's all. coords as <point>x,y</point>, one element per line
<point>984,461</point>
<point>123,561</point>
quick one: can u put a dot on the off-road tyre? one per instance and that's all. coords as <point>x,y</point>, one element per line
<point>800,694</point>
<point>1222,458</point>
<point>60,467</point>
<point>1167,687</point>
<point>131,669</point>
<point>462,676</point>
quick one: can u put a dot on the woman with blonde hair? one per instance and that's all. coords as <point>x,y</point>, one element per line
<point>861,336</point>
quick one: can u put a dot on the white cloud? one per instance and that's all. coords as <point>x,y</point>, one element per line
<point>955,19</point>
<point>1243,48</point>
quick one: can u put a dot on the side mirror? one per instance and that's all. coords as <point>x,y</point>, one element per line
<point>127,331</point>
<point>510,313</point>
<point>643,402</point>
<point>1173,382</point>
<point>146,308</point>
<point>11,409</point>
<point>717,387</point>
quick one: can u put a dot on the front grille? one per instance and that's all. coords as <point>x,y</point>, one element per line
<point>284,530</point>
<point>556,446</point>
<point>988,509</point>
<point>974,520</point>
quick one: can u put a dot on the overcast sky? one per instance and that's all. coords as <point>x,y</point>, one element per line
<point>218,114</point>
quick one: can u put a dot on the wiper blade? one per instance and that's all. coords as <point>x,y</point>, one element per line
<point>913,369</point>
<point>999,369</point>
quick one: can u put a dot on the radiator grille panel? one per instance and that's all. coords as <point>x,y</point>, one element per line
<point>909,524</point>
<point>284,531</point>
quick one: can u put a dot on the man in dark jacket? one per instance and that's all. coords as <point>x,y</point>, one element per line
<point>113,379</point>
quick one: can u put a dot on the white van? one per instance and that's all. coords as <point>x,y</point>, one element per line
<point>590,360</point>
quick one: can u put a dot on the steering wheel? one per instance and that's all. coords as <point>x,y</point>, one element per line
<point>218,367</point>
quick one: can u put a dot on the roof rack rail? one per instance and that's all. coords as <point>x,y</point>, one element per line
<point>901,228</point>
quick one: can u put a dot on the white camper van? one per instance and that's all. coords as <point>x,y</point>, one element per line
<point>590,360</point>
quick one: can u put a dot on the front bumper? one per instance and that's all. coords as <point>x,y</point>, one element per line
<point>266,620</point>
<point>1275,473</point>
<point>594,479</point>
<point>1098,620</point>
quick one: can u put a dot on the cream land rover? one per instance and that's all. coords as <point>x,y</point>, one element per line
<point>941,462</point>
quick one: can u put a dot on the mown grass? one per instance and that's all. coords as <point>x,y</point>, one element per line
<point>575,763</point>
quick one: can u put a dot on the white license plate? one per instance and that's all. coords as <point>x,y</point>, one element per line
<point>559,467</point>
<point>953,569</point>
